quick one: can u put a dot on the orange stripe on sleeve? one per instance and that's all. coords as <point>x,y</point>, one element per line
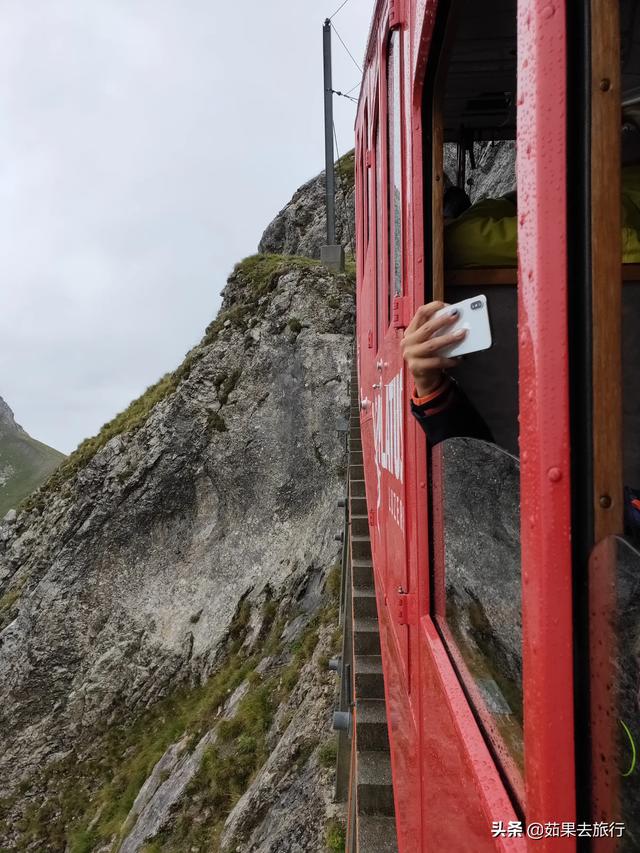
<point>420,401</point>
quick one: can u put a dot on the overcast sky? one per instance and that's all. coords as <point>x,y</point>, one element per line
<point>145,145</point>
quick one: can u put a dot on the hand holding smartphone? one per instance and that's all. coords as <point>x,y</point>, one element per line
<point>473,316</point>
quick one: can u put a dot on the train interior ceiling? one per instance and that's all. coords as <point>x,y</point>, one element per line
<point>476,92</point>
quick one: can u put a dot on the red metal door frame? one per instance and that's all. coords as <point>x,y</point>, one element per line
<point>547,614</point>
<point>457,774</point>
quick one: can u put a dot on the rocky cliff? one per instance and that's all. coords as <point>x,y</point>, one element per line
<point>168,597</point>
<point>24,462</point>
<point>301,226</point>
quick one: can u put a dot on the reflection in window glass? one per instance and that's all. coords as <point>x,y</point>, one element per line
<point>366,180</point>
<point>481,549</point>
<point>614,571</point>
<point>394,163</point>
<point>379,239</point>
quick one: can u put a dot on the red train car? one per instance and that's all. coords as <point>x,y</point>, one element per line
<point>507,578</point>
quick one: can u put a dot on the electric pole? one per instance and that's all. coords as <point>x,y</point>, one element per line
<point>331,254</point>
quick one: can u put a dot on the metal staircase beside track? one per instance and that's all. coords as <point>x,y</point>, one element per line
<point>364,748</point>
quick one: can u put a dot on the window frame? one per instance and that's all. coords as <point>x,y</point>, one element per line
<point>390,163</point>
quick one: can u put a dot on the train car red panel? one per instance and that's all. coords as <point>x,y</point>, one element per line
<point>496,512</point>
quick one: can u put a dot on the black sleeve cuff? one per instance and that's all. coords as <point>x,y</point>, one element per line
<point>450,414</point>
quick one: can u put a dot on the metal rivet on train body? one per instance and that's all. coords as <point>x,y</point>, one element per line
<point>549,11</point>
<point>605,84</point>
<point>554,474</point>
<point>605,501</point>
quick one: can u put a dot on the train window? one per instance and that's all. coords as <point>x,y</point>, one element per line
<point>477,489</point>
<point>469,162</point>
<point>359,202</point>
<point>394,166</point>
<point>366,179</point>
<point>380,204</point>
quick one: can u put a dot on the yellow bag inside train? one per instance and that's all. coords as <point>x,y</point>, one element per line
<point>486,234</point>
<point>631,215</point>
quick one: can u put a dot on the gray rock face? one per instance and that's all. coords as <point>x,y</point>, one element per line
<point>120,586</point>
<point>495,172</point>
<point>152,807</point>
<point>286,806</point>
<point>300,227</point>
<point>481,486</point>
<point>281,812</point>
<point>7,418</point>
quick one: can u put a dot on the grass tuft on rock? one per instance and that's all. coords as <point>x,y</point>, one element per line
<point>328,752</point>
<point>335,836</point>
<point>345,169</point>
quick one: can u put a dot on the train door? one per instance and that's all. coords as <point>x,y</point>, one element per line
<point>473,626</point>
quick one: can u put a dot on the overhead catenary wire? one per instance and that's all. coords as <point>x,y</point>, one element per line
<point>358,66</point>
<point>338,9</point>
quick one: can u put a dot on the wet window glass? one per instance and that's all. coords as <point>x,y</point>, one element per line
<point>366,180</point>
<point>480,557</point>
<point>394,149</point>
<point>614,571</point>
<point>379,235</point>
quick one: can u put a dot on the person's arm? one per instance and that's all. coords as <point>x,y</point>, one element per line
<point>447,413</point>
<point>441,407</point>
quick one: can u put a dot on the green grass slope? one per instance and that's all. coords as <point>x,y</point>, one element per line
<point>24,465</point>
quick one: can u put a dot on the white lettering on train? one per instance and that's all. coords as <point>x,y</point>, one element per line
<point>387,424</point>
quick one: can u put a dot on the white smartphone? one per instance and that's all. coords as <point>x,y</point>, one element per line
<point>473,315</point>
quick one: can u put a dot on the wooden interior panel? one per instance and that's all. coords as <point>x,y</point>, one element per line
<point>631,273</point>
<point>606,250</point>
<point>481,276</point>
<point>488,276</point>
